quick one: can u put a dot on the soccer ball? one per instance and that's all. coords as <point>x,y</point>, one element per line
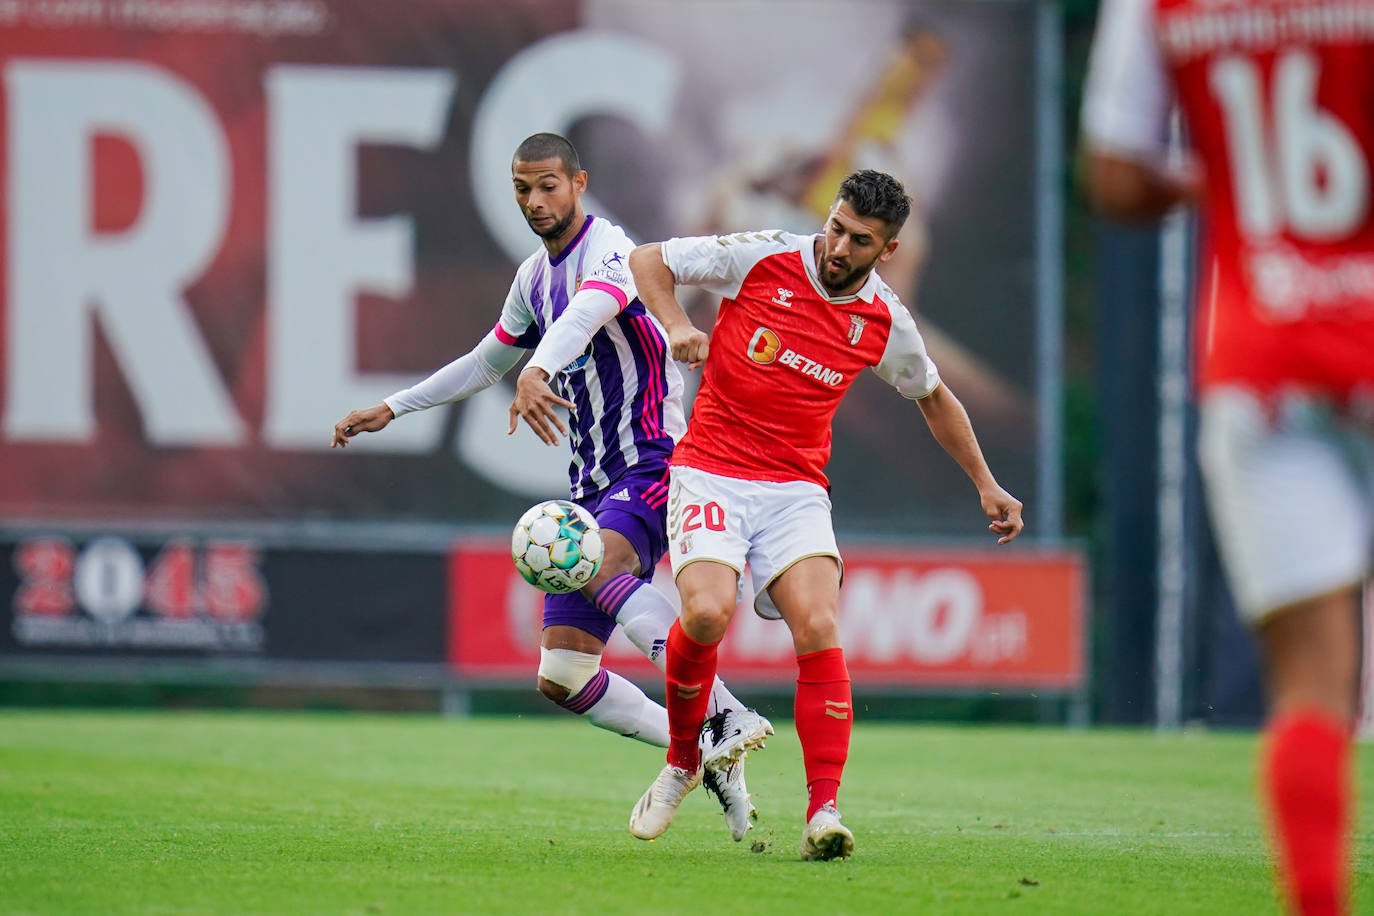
<point>556,546</point>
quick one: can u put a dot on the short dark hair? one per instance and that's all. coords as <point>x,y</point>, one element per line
<point>538,147</point>
<point>877,194</point>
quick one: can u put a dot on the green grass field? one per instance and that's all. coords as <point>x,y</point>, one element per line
<point>339,813</point>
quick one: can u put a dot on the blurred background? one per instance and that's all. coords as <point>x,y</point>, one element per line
<point>225,224</point>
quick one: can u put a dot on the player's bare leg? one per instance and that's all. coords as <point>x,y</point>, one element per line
<point>708,601</point>
<point>808,594</point>
<point>1311,653</point>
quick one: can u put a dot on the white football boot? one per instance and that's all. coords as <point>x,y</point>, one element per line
<point>825,837</point>
<point>728,787</point>
<point>731,733</point>
<point>654,812</point>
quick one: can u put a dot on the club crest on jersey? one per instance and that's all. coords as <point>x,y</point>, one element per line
<point>784,298</point>
<point>764,346</point>
<point>856,329</point>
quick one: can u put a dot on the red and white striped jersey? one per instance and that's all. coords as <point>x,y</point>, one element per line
<point>1276,101</point>
<point>783,353</point>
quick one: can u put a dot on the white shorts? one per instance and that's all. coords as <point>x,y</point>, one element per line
<point>1290,488</point>
<point>766,527</point>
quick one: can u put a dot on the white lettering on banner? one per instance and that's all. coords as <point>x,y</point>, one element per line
<point>187,596</point>
<point>108,580</point>
<point>888,617</point>
<point>63,275</point>
<point>323,255</point>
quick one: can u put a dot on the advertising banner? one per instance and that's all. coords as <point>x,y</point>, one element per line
<point>909,618</point>
<point>226,223</point>
<point>113,596</point>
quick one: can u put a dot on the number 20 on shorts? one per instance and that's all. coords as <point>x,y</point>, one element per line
<point>710,516</point>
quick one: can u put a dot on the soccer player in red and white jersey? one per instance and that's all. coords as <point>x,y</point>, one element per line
<point>1275,99</point>
<point>800,317</point>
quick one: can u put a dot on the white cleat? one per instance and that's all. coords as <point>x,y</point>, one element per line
<point>728,787</point>
<point>825,837</point>
<point>654,812</point>
<point>730,734</point>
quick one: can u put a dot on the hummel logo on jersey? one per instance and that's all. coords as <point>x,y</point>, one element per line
<point>623,496</point>
<point>782,297</point>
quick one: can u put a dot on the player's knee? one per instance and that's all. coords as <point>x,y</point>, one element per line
<point>619,558</point>
<point>564,672</point>
<point>705,620</point>
<point>814,632</point>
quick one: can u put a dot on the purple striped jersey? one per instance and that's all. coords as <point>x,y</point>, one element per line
<point>626,388</point>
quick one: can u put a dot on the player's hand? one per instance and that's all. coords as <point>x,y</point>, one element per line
<point>367,420</point>
<point>535,402</point>
<point>1005,512</point>
<point>689,345</point>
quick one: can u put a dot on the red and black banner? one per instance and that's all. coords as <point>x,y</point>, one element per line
<point>226,223</point>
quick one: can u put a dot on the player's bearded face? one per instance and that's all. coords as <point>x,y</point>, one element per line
<point>851,247</point>
<point>547,196</point>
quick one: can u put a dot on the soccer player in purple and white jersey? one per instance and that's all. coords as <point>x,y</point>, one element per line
<point>600,355</point>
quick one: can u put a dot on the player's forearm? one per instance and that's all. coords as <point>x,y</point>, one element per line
<point>569,335</point>
<point>470,373</point>
<point>655,284</point>
<point>1127,189</point>
<point>950,425</point>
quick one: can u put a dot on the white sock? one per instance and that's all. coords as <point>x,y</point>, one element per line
<point>646,615</point>
<point>625,710</point>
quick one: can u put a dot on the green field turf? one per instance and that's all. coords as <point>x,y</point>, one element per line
<point>338,813</point>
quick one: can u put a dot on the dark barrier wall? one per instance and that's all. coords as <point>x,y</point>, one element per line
<point>111,596</point>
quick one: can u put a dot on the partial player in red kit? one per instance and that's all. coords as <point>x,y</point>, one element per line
<point>800,317</point>
<point>1276,103</point>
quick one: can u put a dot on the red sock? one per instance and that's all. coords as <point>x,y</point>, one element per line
<point>1306,781</point>
<point>691,670</point>
<point>824,718</point>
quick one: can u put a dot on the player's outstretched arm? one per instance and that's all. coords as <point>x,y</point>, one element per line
<point>656,285</point>
<point>366,420</point>
<point>479,368</point>
<point>949,423</point>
